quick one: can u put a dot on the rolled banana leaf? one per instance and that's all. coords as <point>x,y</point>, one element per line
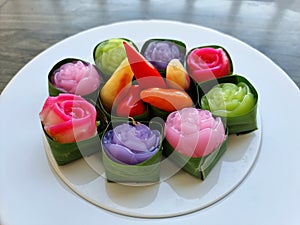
<point>101,118</point>
<point>147,171</point>
<point>198,167</point>
<point>69,152</point>
<point>109,54</point>
<point>238,112</point>
<point>54,91</point>
<point>160,51</point>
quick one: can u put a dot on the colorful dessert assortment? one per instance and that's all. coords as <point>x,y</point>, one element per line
<point>196,94</point>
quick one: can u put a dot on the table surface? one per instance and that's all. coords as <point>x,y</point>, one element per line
<point>29,27</point>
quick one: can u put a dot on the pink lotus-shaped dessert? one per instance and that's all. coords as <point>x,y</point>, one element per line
<point>194,132</point>
<point>76,77</point>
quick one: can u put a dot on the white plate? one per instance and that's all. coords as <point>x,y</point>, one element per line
<point>32,194</point>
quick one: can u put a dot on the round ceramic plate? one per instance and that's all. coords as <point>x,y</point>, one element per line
<point>176,193</point>
<point>32,193</point>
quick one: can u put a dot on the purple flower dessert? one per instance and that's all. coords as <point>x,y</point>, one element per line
<point>160,52</point>
<point>131,145</point>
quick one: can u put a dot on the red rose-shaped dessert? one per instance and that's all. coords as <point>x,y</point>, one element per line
<point>68,118</point>
<point>206,63</point>
<point>69,124</point>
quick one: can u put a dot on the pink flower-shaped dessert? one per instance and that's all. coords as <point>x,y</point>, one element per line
<point>208,63</point>
<point>68,118</point>
<point>76,78</point>
<point>194,132</point>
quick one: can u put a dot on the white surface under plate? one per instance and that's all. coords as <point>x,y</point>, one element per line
<point>31,193</point>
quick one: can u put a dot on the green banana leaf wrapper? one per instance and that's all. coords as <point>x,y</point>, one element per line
<point>53,91</point>
<point>180,44</point>
<point>69,152</point>
<point>147,171</point>
<point>98,51</point>
<point>101,118</point>
<point>237,124</point>
<point>197,167</point>
<point>156,112</point>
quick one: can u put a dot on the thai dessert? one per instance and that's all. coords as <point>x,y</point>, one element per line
<point>194,138</point>
<point>208,62</point>
<point>109,54</point>
<point>132,153</point>
<point>74,76</point>
<point>111,108</point>
<point>70,126</point>
<point>161,51</point>
<point>235,100</point>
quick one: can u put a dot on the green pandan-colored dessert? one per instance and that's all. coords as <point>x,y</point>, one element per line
<point>235,100</point>
<point>109,54</point>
